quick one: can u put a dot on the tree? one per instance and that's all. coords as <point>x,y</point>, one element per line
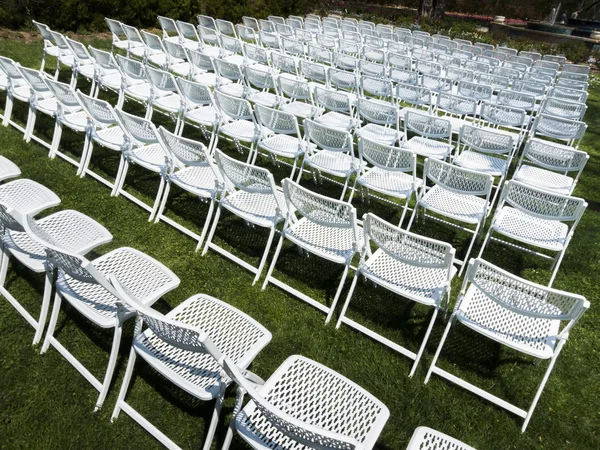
<point>434,9</point>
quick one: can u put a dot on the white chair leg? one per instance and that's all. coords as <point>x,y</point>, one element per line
<point>338,293</point>
<point>43,61</point>
<point>121,99</point>
<point>556,265</point>
<point>212,230</point>
<point>348,298</point>
<point>124,385</point>
<point>413,216</point>
<point>52,324</point>
<point>30,124</point>
<point>163,203</point>
<point>211,209</point>
<point>485,242</point>
<point>45,306</point>
<point>265,254</point>
<point>86,162</point>
<point>423,344</point>
<point>542,384</point>
<point>8,109</point>
<point>466,258</point>
<point>439,349</point>
<point>4,266</point>
<point>272,266</point>
<point>149,112</point>
<point>121,174</point>
<point>57,68</point>
<point>157,200</point>
<point>215,418</point>
<point>112,360</point>
<point>55,139</point>
<point>86,146</point>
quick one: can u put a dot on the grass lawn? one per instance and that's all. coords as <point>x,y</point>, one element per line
<point>46,403</point>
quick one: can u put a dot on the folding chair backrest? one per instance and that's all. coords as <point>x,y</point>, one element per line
<point>266,26</point>
<point>206,21</point>
<point>234,107</point>
<point>403,76</point>
<point>231,44</point>
<point>492,62</point>
<point>35,79</point>
<point>534,56</point>
<point>376,87</point>
<point>342,79</point>
<point>259,79</point>
<point>426,125</point>
<point>485,140</point>
<point>245,33</point>
<point>349,47</point>
<point>387,157</point>
<point>524,297</point>
<point>476,91</point>
<point>326,41</point>
<point>225,27</point>
<point>333,100</point>
<point>423,54</point>
<point>503,116</point>
<point>574,84</point>
<point>60,41</point>
<point>345,62</point>
<point>187,30</point>
<point>558,128</point>
<point>99,110</point>
<point>140,131</point>
<point>374,54</point>
<point>542,203</point>
<point>229,70</point>
<point>276,20</point>
<point>428,67</point>
<point>161,80</point>
<point>255,54</point>
<point>458,74</point>
<point>284,30</point>
<point>437,84</point>
<point>318,208</point>
<point>529,87</point>
<point>415,95</point>
<point>292,46</point>
<point>132,33</point>
<point>478,67</point>
<point>284,63</point>
<point>313,71</point>
<point>187,151</point>
<point>279,122</point>
<point>251,22</point>
<point>64,94</point>
<point>511,74</point>
<point>131,68</point>
<point>576,68</point>
<point>200,60</point>
<point>79,51</point>
<point>457,179</point>
<point>573,76</point>
<point>456,105</point>
<point>377,112</point>
<point>407,247</point>
<point>115,27</point>
<point>294,89</point>
<point>516,100</point>
<point>553,156</point>
<point>45,31</point>
<point>208,36</point>
<point>245,177</point>
<point>563,108</point>
<point>400,61</point>
<point>193,93</point>
<point>175,50</point>
<point>153,42</point>
<point>572,95</point>
<point>104,59</point>
<point>269,40</point>
<point>539,77</point>
<point>168,26</point>
<point>328,138</point>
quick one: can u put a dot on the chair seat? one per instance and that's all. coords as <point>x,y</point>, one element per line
<point>143,276</point>
<point>151,157</point>
<point>544,179</point>
<point>206,115</point>
<point>257,208</point>
<point>47,106</point>
<point>27,196</point>
<point>233,89</point>
<point>283,145</point>
<point>182,69</point>
<point>213,52</point>
<point>267,99</point>
<point>544,233</point>
<point>530,335</point>
<point>317,395</point>
<point>87,70</point>
<point>8,169</point>
<point>337,120</point>
<point>69,229</point>
<point>209,79</point>
<point>171,103</point>
<point>396,184</point>
<point>242,130</point>
<point>142,91</point>
<point>300,109</point>
<point>335,163</point>
<point>199,180</point>
<point>235,59</point>
<point>3,81</point>
<point>76,121</point>
<point>425,285</point>
<point>462,207</point>
<point>199,374</point>
<point>52,50</point>
<point>456,123</point>
<point>427,438</point>
<point>111,81</point>
<point>332,244</point>
<point>428,147</point>
<point>159,59</point>
<point>482,162</point>
<point>22,93</point>
<point>67,59</point>
<point>379,133</point>
<point>111,137</point>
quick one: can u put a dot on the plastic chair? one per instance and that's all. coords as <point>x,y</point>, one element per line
<point>203,69</point>
<point>137,46</point>
<point>383,121</point>
<point>209,42</point>
<point>177,59</point>
<point>234,76</point>
<point>297,98</point>
<point>42,100</point>
<point>425,438</point>
<point>460,111</point>
<point>514,312</point>
<point>119,37</point>
<point>337,109</point>
<point>537,218</point>
<point>16,88</point>
<point>165,96</point>
<point>8,169</point>
<point>142,147</point>
<point>184,338</point>
<point>250,193</point>
<point>548,165</point>
<point>262,89</point>
<point>188,35</point>
<point>280,135</point>
<point>563,108</point>
<point>70,230</point>
<point>459,194</point>
<point>197,108</point>
<point>570,131</point>
<point>393,173</point>
<point>107,73</point>
<point>415,96</point>
<point>83,63</point>
<point>333,410</point>
<point>168,25</point>
<point>507,118</point>
<point>49,47</point>
<point>65,56</point>
<point>406,264</point>
<point>433,135</point>
<point>190,167</point>
<point>134,83</point>
<point>327,228</point>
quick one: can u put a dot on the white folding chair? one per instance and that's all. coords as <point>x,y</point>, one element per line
<point>168,25</point>
<point>69,229</point>
<point>180,346</point>
<point>16,88</point>
<point>134,83</point>
<point>548,165</point>
<point>230,78</point>
<point>433,135</point>
<point>261,86</point>
<point>191,168</point>
<point>517,313</point>
<point>83,63</point>
<point>49,47</point>
<point>330,150</point>
<point>337,110</point>
<point>188,35</point>
<point>280,136</point>
<point>383,121</point>
<point>506,118</point>
<point>177,59</point>
<point>406,264</point>
<point>415,96</point>
<point>42,100</point>
<point>461,195</point>
<point>304,404</point>
<point>209,42</point>
<point>297,98</point>
<point>460,111</point>
<point>142,147</point>
<point>65,55</point>
<point>393,173</point>
<point>120,40</point>
<point>327,228</point>
<point>154,51</point>
<point>197,108</point>
<point>250,193</point>
<point>567,130</point>
<point>563,108</point>
<point>107,73</point>
<point>165,97</point>
<point>537,218</point>
<point>203,69</point>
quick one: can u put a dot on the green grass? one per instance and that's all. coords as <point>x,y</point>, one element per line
<point>45,403</point>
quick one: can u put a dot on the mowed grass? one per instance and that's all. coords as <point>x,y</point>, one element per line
<point>46,403</point>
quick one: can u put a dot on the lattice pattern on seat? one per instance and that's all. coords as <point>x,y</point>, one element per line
<point>428,439</point>
<point>304,392</point>
<point>256,54</point>
<point>27,196</point>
